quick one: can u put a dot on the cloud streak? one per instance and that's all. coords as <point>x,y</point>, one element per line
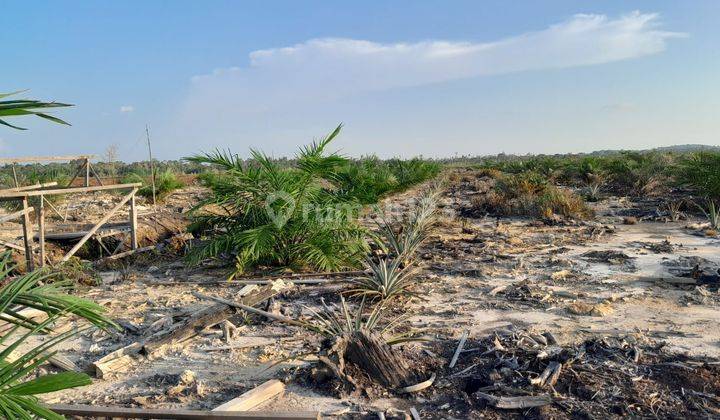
<point>334,67</point>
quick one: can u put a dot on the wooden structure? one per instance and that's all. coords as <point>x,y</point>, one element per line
<point>23,195</point>
<point>85,168</point>
<point>94,411</point>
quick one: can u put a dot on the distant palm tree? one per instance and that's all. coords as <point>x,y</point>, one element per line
<point>22,107</point>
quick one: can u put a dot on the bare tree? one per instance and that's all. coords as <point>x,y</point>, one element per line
<point>111,153</point>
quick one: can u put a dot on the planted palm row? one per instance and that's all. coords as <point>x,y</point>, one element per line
<point>369,179</point>
<point>300,213</point>
<point>627,173</point>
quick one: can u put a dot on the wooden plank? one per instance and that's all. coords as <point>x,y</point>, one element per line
<point>27,233</point>
<point>117,361</point>
<point>209,316</point>
<point>30,159</point>
<point>515,403</point>
<point>70,190</point>
<point>95,411</point>
<point>103,232</point>
<point>31,187</point>
<point>41,230</point>
<point>256,396</point>
<point>252,310</point>
<point>98,225</point>
<point>15,215</point>
<point>459,348</point>
<point>11,245</point>
<point>133,223</point>
<point>127,253</point>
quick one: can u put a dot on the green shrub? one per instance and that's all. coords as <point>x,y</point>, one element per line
<point>530,194</point>
<point>165,183</point>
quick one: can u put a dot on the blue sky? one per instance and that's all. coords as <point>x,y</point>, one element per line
<point>436,78</point>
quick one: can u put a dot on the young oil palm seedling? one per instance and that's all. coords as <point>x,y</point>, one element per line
<point>392,274</point>
<point>712,213</point>
<point>18,392</point>
<point>388,277</point>
<point>333,323</point>
<point>265,214</point>
<point>365,343</point>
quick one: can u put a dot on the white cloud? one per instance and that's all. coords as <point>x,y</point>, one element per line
<point>333,67</point>
<point>127,108</point>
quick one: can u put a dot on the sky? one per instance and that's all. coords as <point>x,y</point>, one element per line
<point>406,78</point>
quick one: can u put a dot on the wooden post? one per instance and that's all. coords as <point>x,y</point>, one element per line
<point>133,222</point>
<point>15,176</point>
<point>27,235</point>
<point>98,225</point>
<point>87,172</point>
<point>41,228</point>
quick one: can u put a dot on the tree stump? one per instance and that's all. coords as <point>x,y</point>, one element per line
<point>378,360</point>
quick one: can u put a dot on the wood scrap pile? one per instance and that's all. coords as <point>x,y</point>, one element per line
<point>630,375</point>
<point>188,326</point>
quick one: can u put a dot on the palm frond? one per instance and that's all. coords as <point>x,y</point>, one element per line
<point>25,107</point>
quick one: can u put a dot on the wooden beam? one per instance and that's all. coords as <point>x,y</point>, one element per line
<point>95,174</point>
<point>98,225</point>
<point>31,159</point>
<point>206,317</point>
<point>133,223</point>
<point>78,170</point>
<point>252,310</point>
<point>27,235</point>
<point>41,230</point>
<point>31,187</point>
<point>256,396</point>
<point>127,253</point>
<point>94,411</point>
<point>15,215</point>
<point>70,190</point>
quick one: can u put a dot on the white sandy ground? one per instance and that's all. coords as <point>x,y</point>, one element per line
<point>454,302</point>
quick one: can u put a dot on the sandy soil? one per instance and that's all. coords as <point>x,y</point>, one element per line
<point>479,275</point>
